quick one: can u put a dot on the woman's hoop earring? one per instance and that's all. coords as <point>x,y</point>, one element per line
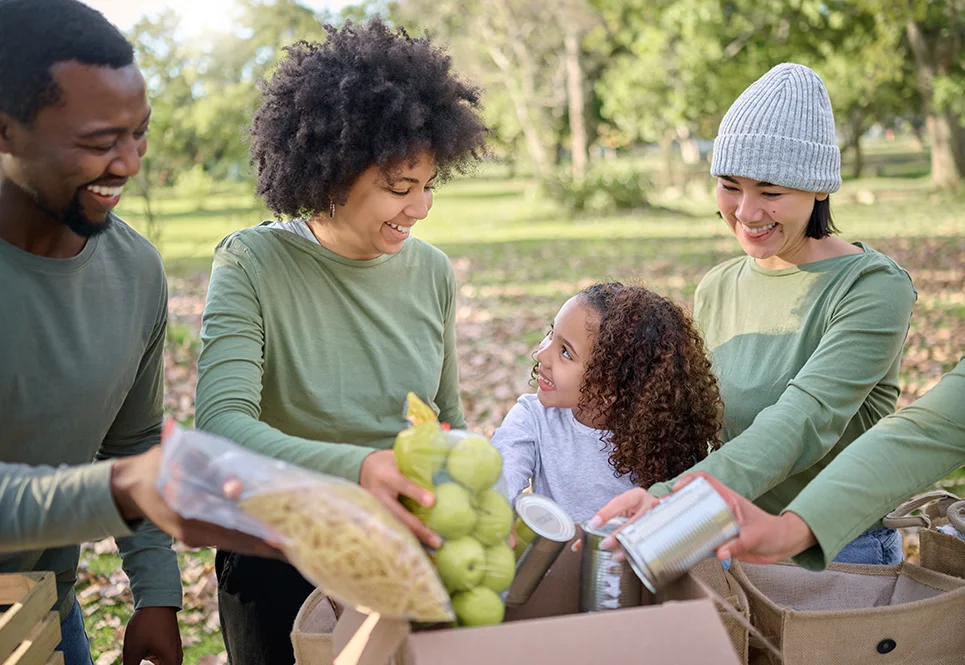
<point>331,211</point>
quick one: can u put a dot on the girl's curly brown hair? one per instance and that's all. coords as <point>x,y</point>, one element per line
<point>649,384</point>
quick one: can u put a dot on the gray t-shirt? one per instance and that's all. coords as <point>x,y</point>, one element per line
<point>567,460</point>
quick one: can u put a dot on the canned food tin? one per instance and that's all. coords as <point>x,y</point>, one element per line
<point>551,529</point>
<point>686,527</point>
<point>605,583</point>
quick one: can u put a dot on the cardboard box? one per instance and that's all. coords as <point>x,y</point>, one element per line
<point>683,628</point>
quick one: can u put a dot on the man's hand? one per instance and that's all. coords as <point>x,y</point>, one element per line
<point>380,475</point>
<point>764,538</point>
<point>153,635</point>
<point>134,486</point>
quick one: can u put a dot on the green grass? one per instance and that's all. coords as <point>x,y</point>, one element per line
<point>518,256</point>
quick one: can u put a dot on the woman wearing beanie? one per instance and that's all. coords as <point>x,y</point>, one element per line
<point>806,330</point>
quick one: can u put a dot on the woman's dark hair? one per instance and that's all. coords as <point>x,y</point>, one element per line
<point>368,95</point>
<point>821,225</point>
<point>35,35</point>
<point>649,384</point>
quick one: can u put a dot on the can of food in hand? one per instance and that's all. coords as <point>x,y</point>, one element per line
<point>684,528</point>
<point>548,528</point>
<point>605,582</point>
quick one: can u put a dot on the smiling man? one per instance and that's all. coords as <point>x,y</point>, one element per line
<point>83,307</point>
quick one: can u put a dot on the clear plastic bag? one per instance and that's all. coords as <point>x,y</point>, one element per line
<point>471,512</point>
<point>333,531</point>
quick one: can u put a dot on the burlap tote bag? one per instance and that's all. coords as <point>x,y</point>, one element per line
<point>940,516</point>
<point>712,574</point>
<point>855,614</point>
<point>313,628</point>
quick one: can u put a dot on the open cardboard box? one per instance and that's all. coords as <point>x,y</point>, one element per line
<point>683,628</point>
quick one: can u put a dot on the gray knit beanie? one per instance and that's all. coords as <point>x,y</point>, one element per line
<point>781,130</point>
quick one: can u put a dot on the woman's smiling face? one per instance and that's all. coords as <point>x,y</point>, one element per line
<point>770,221</point>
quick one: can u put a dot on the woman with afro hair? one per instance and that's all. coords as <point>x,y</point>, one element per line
<point>625,397</point>
<point>317,324</point>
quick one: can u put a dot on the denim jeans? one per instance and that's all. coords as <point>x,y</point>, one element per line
<point>879,546</point>
<point>73,638</point>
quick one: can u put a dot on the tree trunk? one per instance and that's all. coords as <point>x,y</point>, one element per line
<point>575,103</point>
<point>519,79</point>
<point>854,142</point>
<point>152,226</point>
<point>666,152</point>
<point>944,129</point>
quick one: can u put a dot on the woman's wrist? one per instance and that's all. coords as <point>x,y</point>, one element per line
<point>796,535</point>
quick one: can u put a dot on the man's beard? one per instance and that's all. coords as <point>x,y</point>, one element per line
<point>74,219</point>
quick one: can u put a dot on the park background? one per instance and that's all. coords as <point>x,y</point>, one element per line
<point>603,114</point>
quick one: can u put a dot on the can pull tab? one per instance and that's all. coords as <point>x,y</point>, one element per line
<point>727,607</point>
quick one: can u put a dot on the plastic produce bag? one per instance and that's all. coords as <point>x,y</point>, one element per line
<point>333,531</point>
<point>470,513</point>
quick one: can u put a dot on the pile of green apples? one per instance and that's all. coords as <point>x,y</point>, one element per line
<point>475,563</point>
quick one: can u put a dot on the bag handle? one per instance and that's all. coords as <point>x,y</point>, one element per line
<point>740,617</point>
<point>956,516</point>
<point>933,505</point>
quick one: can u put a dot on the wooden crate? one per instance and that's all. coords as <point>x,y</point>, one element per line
<point>29,631</point>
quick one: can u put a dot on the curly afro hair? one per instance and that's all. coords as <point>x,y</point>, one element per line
<point>649,384</point>
<point>35,35</point>
<point>368,95</point>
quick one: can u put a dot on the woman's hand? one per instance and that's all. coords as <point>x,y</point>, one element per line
<point>380,475</point>
<point>763,538</point>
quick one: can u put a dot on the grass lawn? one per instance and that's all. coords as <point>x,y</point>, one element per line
<point>517,258</point>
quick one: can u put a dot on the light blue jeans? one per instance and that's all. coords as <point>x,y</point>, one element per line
<point>879,546</point>
<point>73,638</point>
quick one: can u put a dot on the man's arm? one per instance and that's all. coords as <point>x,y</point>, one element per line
<point>43,507</point>
<point>147,556</point>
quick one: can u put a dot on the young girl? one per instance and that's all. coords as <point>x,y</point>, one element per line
<point>625,397</point>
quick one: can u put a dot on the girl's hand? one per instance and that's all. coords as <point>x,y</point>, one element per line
<point>380,475</point>
<point>632,504</point>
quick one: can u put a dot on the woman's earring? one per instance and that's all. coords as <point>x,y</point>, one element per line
<point>331,211</point>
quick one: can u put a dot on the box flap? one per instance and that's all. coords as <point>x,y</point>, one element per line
<point>683,633</point>
<point>366,639</point>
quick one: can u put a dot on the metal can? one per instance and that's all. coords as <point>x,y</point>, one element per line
<point>551,529</point>
<point>684,528</point>
<point>605,582</point>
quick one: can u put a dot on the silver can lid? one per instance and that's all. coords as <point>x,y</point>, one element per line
<point>604,530</point>
<point>545,517</point>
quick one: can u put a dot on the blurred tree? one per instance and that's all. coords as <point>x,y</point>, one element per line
<point>935,31</point>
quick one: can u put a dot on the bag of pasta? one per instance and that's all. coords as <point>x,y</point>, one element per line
<point>470,513</point>
<point>333,531</point>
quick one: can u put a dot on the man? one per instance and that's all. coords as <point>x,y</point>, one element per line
<point>83,311</point>
<point>902,455</point>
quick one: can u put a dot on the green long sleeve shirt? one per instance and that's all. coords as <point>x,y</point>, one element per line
<point>81,359</point>
<point>308,356</point>
<point>902,455</point>
<point>807,358</point>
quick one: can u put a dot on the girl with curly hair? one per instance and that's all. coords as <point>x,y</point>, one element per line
<point>625,397</point>
<point>317,324</point>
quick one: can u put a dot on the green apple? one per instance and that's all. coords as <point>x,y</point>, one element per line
<point>461,563</point>
<point>478,607</point>
<point>500,567</point>
<point>495,517</point>
<point>475,463</point>
<point>420,453</point>
<point>452,516</point>
<point>416,508</point>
